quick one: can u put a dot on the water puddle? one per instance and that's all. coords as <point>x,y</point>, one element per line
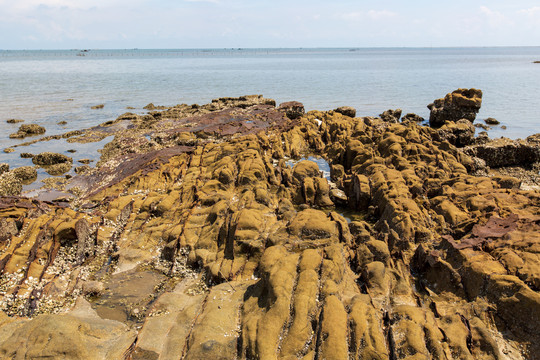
<point>126,297</point>
<point>351,215</point>
<point>77,151</point>
<point>50,195</point>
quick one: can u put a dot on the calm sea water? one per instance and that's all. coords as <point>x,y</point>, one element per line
<point>46,87</point>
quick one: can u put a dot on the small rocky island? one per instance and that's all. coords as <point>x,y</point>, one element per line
<point>244,230</point>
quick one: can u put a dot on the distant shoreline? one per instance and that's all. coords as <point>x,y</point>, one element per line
<point>283,48</point>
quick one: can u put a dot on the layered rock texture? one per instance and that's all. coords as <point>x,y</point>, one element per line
<point>217,235</point>
<point>459,104</point>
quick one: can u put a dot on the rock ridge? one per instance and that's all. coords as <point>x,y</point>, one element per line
<point>208,231</point>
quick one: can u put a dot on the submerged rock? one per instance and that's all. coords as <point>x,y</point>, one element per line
<point>14,121</point>
<point>93,288</point>
<point>459,104</point>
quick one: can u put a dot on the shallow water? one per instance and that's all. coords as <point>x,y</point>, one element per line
<point>126,295</point>
<point>82,151</point>
<point>46,87</point>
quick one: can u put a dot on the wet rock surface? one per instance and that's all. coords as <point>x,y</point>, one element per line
<point>27,130</point>
<point>491,121</point>
<point>196,236</point>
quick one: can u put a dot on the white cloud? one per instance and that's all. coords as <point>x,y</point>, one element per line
<point>530,17</point>
<point>369,15</point>
<point>380,14</point>
<point>352,16</point>
<point>495,18</point>
<point>23,6</point>
<point>534,11</point>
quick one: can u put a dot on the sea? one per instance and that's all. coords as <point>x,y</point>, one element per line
<point>47,87</point>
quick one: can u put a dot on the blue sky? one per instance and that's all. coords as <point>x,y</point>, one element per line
<point>67,24</point>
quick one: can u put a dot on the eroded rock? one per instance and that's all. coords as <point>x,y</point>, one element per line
<point>10,184</point>
<point>293,109</point>
<point>459,104</point>
<point>391,116</point>
<point>49,158</point>
<point>27,130</point>
<point>346,110</point>
<point>218,248</point>
<point>506,152</point>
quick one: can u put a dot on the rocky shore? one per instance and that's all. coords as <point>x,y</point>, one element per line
<point>244,230</point>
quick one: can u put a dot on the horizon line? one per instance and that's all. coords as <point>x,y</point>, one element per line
<point>284,48</point>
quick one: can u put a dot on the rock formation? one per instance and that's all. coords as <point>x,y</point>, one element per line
<point>53,163</point>
<point>392,116</point>
<point>27,130</point>
<point>412,117</point>
<point>346,110</point>
<point>459,104</point>
<point>491,121</point>
<point>214,236</point>
<point>506,152</point>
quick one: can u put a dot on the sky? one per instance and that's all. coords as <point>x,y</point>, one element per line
<point>125,24</point>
